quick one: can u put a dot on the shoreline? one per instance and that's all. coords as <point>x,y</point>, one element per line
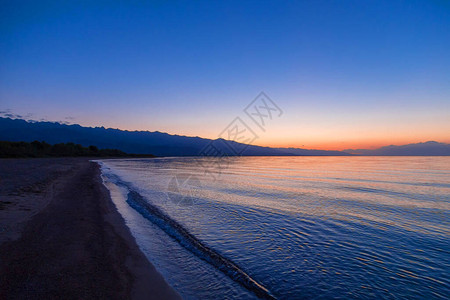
<point>73,243</point>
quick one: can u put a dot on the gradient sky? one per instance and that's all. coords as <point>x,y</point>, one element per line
<point>347,74</point>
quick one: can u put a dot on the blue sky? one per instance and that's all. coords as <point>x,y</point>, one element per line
<point>347,74</point>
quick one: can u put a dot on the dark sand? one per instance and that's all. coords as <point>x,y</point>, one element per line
<point>62,237</point>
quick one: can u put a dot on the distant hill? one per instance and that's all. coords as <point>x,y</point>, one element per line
<point>144,142</point>
<point>430,148</point>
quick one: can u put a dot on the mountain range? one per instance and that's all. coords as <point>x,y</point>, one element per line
<point>430,148</point>
<point>164,144</point>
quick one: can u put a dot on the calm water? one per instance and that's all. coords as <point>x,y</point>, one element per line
<point>291,227</point>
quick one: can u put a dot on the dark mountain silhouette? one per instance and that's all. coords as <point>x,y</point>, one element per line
<point>144,142</point>
<point>430,148</point>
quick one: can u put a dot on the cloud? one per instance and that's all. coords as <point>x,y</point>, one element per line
<point>63,122</point>
<point>2,112</point>
<point>7,113</point>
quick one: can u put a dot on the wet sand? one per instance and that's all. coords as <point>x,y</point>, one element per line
<point>61,236</point>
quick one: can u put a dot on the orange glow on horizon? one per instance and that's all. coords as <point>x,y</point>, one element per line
<point>323,138</point>
<point>339,146</point>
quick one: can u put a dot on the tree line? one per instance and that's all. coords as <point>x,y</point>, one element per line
<point>43,149</point>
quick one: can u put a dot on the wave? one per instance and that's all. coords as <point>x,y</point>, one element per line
<point>189,241</point>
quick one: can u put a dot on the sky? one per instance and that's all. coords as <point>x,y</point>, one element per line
<point>345,74</point>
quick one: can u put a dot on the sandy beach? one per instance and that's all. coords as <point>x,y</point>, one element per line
<point>61,236</point>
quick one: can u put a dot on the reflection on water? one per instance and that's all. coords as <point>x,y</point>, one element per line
<point>307,227</point>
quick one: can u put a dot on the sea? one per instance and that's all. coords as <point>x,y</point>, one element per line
<point>290,227</point>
